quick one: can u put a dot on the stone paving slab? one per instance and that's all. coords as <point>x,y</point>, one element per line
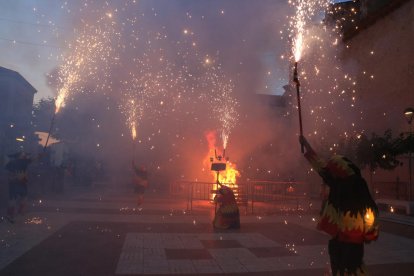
<point>98,240</point>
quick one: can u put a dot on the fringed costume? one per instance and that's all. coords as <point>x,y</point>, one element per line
<point>17,179</point>
<point>227,215</point>
<point>349,214</point>
<point>140,181</point>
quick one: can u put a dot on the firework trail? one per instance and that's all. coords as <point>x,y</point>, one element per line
<point>330,91</point>
<point>88,59</point>
<point>305,12</point>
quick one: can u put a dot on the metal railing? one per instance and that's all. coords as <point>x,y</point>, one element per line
<point>277,191</point>
<point>251,191</point>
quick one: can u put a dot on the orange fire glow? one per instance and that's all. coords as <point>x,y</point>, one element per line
<point>227,177</point>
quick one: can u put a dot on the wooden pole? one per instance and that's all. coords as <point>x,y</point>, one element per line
<point>50,130</point>
<point>296,81</point>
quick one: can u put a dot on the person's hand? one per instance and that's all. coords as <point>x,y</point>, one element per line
<point>304,142</point>
<point>302,139</point>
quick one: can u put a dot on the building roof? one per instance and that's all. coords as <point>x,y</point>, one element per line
<point>273,101</point>
<point>357,15</point>
<point>4,72</point>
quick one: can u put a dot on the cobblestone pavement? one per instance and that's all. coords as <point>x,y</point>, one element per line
<point>104,233</point>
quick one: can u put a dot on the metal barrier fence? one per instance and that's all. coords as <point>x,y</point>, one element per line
<point>390,189</point>
<point>277,191</point>
<point>252,191</point>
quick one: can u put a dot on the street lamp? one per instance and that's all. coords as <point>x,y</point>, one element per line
<point>409,113</point>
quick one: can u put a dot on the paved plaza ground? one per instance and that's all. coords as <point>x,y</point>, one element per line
<point>100,231</point>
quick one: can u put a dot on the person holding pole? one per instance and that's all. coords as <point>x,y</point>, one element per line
<point>349,214</point>
<point>17,178</point>
<point>140,180</point>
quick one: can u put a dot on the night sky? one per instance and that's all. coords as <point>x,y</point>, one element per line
<point>174,70</point>
<point>247,36</point>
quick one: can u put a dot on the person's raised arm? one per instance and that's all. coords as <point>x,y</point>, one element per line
<point>316,162</point>
<point>305,143</point>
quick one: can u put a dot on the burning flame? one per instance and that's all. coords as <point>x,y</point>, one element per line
<point>133,130</point>
<point>227,177</point>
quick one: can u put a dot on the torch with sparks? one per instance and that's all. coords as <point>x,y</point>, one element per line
<point>299,27</point>
<point>296,81</point>
<point>134,113</point>
<point>303,14</point>
<point>50,130</point>
<point>305,10</point>
<point>89,55</point>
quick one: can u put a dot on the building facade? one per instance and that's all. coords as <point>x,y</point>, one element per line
<point>16,105</point>
<point>378,38</point>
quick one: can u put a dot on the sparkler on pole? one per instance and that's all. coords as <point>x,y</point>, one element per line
<point>296,81</point>
<point>52,122</point>
<point>134,137</point>
<point>133,112</point>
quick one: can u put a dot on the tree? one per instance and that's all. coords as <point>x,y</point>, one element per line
<point>374,152</point>
<point>42,114</point>
<point>379,151</point>
<point>405,143</point>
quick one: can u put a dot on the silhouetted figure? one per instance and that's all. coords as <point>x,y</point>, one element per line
<point>349,214</point>
<point>17,179</point>
<point>140,180</point>
<point>227,215</point>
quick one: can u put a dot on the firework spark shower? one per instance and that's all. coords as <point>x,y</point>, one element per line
<point>305,11</point>
<point>178,68</point>
<point>88,56</point>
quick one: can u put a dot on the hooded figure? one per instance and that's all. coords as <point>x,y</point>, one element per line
<point>140,180</point>
<point>227,216</point>
<point>349,213</point>
<point>17,178</point>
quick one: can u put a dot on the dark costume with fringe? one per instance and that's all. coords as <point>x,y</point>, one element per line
<point>227,215</point>
<point>17,179</point>
<point>17,175</point>
<point>349,214</point>
<point>140,179</point>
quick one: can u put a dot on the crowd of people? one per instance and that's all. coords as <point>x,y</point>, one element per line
<point>37,175</point>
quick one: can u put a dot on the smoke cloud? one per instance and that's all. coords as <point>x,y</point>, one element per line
<point>178,59</point>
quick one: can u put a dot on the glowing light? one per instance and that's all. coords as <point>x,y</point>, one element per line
<point>34,220</point>
<point>88,57</point>
<point>134,113</point>
<point>229,175</point>
<point>304,12</point>
<point>369,217</point>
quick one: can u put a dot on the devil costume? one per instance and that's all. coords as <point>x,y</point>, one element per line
<point>348,215</point>
<point>227,216</point>
<point>140,179</point>
<point>17,179</point>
